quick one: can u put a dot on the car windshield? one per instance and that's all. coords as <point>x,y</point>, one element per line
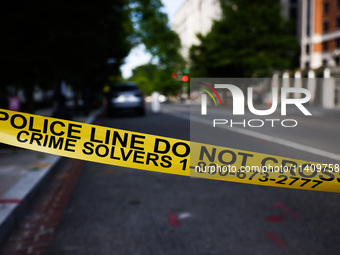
<point>124,88</point>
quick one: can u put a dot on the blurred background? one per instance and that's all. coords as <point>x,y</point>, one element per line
<point>74,51</point>
<point>127,64</point>
<point>77,50</point>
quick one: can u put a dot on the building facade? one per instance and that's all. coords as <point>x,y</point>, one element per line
<point>193,17</point>
<point>320,34</point>
<point>197,16</point>
<point>317,27</point>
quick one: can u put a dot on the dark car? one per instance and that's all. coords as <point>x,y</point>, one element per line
<point>125,96</point>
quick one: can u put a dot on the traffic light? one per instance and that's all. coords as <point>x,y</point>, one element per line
<point>185,78</point>
<point>181,76</point>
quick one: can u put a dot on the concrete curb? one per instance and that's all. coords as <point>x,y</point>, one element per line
<point>26,189</point>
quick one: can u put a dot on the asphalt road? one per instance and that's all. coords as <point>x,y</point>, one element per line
<point>116,210</point>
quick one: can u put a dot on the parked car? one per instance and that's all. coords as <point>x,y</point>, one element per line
<point>125,96</point>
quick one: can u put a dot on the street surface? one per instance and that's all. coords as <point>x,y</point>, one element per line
<point>115,210</point>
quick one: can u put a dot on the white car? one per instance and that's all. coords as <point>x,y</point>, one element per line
<point>123,96</point>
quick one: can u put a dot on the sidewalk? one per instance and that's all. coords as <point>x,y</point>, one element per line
<point>22,173</point>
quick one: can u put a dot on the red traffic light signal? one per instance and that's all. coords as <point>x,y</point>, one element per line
<point>185,78</point>
<point>174,75</point>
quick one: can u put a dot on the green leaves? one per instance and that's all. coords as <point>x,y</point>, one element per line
<point>48,41</point>
<point>251,40</point>
<point>152,28</point>
<point>151,78</point>
<point>64,40</point>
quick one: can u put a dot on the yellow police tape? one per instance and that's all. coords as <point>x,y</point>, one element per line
<point>162,154</point>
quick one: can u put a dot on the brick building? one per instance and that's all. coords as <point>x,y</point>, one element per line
<point>320,34</point>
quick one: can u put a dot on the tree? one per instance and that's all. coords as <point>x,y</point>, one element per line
<point>81,42</point>
<point>144,77</point>
<point>50,41</point>
<point>151,77</point>
<point>152,28</point>
<point>251,39</point>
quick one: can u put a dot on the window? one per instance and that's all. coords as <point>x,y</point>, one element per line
<point>325,8</point>
<point>307,48</point>
<point>338,22</point>
<point>338,4</point>
<point>325,26</point>
<point>324,46</point>
<point>337,42</point>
